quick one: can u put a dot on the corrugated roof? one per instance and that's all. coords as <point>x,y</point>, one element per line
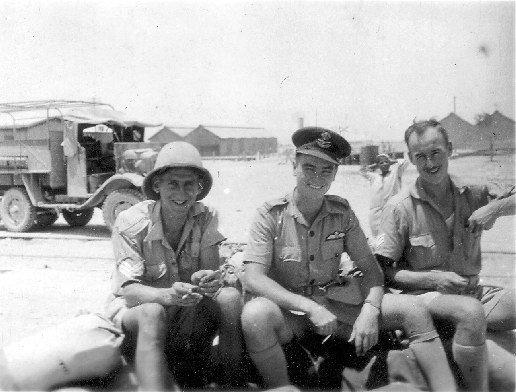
<point>99,114</point>
<point>180,131</point>
<point>225,132</point>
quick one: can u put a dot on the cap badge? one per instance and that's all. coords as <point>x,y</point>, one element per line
<point>324,141</point>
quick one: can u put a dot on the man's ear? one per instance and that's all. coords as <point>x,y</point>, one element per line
<point>155,185</point>
<point>450,148</point>
<point>410,158</point>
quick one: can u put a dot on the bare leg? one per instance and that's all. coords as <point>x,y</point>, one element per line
<point>265,330</point>
<point>408,313</point>
<point>148,323</point>
<point>501,367</point>
<point>231,343</point>
<point>468,347</point>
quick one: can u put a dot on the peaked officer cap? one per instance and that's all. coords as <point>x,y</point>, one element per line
<point>321,143</point>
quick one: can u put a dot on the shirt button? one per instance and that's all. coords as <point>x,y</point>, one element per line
<point>311,233</point>
<point>312,257</point>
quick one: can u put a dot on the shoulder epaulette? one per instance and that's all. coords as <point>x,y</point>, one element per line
<point>268,205</point>
<point>338,200</point>
<point>134,219</point>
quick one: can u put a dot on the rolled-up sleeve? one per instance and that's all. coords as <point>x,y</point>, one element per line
<point>129,261</point>
<point>261,239</point>
<point>391,240</point>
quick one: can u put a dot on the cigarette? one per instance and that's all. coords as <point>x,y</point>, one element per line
<point>326,338</point>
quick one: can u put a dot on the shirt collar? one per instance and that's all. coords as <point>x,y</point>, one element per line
<point>326,209</point>
<point>417,191</point>
<point>156,231</point>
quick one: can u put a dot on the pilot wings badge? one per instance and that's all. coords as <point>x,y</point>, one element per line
<point>336,235</point>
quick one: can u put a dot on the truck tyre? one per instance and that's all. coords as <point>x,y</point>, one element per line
<point>76,218</point>
<point>118,201</point>
<point>46,217</point>
<point>17,212</point>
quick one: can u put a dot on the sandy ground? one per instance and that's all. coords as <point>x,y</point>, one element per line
<point>49,276</point>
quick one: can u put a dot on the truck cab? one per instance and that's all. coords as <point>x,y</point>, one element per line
<point>69,157</point>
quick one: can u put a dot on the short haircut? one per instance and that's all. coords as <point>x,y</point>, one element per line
<point>421,126</point>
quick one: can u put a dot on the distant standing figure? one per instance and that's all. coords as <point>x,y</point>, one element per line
<point>385,183</point>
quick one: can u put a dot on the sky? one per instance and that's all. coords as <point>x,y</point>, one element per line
<point>366,69</point>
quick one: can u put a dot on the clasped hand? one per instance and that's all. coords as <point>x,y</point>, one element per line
<point>208,281</point>
<point>448,282</point>
<point>185,294</point>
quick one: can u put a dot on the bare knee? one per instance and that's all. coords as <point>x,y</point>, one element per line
<point>257,315</point>
<point>229,298</point>
<point>407,312</point>
<point>470,316</point>
<point>416,318</point>
<point>151,321</point>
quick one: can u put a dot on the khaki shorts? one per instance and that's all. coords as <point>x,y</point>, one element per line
<point>489,296</point>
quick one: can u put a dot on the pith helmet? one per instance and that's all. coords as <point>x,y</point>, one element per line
<point>321,143</point>
<point>178,155</point>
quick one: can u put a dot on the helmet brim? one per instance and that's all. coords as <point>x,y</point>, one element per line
<point>204,176</point>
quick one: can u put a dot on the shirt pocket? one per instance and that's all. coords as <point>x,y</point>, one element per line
<point>288,254</point>
<point>331,252</point>
<point>288,268</point>
<point>154,271</point>
<point>423,252</point>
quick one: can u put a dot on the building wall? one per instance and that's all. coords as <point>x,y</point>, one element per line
<point>500,130</point>
<point>206,142</point>
<point>248,146</point>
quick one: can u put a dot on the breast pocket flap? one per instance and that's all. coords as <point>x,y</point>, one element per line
<point>423,240</point>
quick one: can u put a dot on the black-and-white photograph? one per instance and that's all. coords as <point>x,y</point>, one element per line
<point>257,195</point>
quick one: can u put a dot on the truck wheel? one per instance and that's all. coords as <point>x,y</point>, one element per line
<point>17,212</point>
<point>77,218</point>
<point>118,201</point>
<point>45,217</point>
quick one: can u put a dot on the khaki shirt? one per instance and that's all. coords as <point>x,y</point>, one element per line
<point>414,234</point>
<point>143,254</point>
<point>299,254</point>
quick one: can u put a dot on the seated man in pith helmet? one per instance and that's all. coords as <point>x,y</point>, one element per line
<point>292,268</point>
<point>166,287</point>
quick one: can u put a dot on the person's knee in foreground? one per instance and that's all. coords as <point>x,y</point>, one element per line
<point>167,262</point>
<point>292,265</point>
<point>429,244</point>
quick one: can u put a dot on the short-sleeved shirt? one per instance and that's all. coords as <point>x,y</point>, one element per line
<point>383,187</point>
<point>414,233</point>
<point>143,254</point>
<point>299,254</point>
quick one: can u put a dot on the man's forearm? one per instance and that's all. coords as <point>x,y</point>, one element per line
<point>264,286</point>
<point>409,280</point>
<point>136,294</point>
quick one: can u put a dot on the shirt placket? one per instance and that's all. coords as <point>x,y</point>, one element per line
<point>171,260</point>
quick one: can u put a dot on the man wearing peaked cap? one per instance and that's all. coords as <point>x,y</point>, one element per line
<point>292,262</point>
<point>321,143</point>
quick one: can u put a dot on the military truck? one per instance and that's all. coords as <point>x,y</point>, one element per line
<point>69,157</point>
